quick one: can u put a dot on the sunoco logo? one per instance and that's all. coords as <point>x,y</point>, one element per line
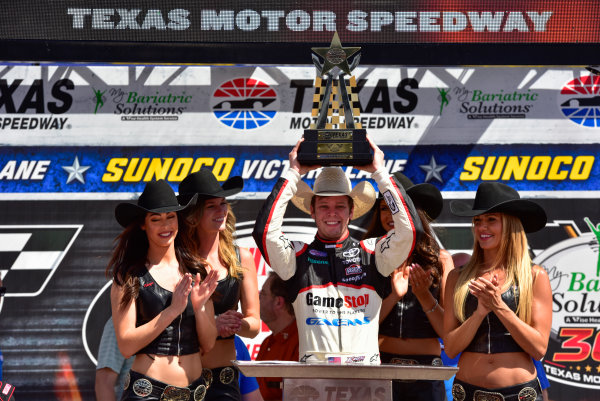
<point>579,100</point>
<point>244,103</point>
<point>573,355</point>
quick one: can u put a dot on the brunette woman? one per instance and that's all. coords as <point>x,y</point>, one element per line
<point>499,305</point>
<point>160,304</point>
<point>212,225</point>
<point>411,319</point>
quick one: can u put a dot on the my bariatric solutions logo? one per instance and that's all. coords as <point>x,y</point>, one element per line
<point>244,103</point>
<point>579,100</point>
<point>573,266</point>
<point>141,104</point>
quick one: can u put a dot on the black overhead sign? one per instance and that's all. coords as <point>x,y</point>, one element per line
<point>274,31</point>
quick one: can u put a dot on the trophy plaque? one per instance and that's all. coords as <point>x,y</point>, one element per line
<point>335,139</point>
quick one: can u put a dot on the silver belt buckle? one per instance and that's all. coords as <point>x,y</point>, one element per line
<point>142,387</point>
<point>200,392</point>
<point>527,394</point>
<point>227,375</point>
<point>173,393</point>
<point>481,395</point>
<point>458,392</point>
<point>208,376</point>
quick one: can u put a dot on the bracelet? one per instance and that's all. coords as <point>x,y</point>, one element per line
<point>435,305</point>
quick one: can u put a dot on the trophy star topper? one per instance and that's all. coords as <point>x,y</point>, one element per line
<point>335,55</point>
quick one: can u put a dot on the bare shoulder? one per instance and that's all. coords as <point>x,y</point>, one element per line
<point>446,258</point>
<point>245,253</point>
<point>247,261</point>
<point>539,274</point>
<point>453,276</point>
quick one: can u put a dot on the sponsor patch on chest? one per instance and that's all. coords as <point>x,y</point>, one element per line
<point>350,253</point>
<point>353,269</point>
<point>316,252</point>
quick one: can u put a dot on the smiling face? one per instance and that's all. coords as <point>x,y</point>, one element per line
<point>161,228</point>
<point>332,215</point>
<point>214,215</point>
<point>487,229</point>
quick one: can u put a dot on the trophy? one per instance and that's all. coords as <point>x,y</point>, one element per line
<point>335,139</point>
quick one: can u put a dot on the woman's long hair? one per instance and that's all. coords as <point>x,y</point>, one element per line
<point>129,258</point>
<point>227,249</point>
<point>513,256</point>
<point>427,250</point>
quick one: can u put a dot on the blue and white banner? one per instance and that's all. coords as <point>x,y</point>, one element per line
<point>98,170</point>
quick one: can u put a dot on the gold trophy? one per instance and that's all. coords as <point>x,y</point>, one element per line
<point>335,139</point>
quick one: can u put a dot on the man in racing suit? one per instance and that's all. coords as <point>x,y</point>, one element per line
<point>336,283</point>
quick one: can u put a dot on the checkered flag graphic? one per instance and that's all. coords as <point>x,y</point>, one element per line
<point>29,256</point>
<point>335,110</point>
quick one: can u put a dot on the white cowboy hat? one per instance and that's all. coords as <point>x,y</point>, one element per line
<point>332,181</point>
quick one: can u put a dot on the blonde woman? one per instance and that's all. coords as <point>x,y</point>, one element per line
<point>498,305</point>
<point>212,225</point>
<point>161,307</point>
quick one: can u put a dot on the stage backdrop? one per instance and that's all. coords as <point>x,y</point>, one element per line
<point>78,139</point>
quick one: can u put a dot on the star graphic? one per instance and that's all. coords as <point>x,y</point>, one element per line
<point>433,170</point>
<point>335,55</point>
<point>75,171</point>
<point>588,368</point>
<point>598,368</point>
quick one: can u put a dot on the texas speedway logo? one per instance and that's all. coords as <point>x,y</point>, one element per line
<point>19,100</point>
<point>31,254</point>
<point>579,100</point>
<point>244,103</point>
<point>339,389</point>
<point>573,266</point>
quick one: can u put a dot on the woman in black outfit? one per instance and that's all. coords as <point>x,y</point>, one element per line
<point>411,317</point>
<point>499,305</point>
<point>160,305</point>
<point>211,224</point>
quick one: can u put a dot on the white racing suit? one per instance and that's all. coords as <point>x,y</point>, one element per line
<point>337,287</point>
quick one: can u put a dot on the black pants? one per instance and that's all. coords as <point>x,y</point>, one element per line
<point>529,391</point>
<point>140,387</point>
<point>416,390</point>
<point>224,384</point>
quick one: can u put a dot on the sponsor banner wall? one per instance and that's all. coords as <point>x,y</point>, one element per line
<point>77,139</point>
<point>58,105</point>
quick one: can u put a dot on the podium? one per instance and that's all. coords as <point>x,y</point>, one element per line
<point>323,381</point>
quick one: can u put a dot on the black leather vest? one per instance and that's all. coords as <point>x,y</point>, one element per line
<point>227,294</point>
<point>180,337</point>
<point>491,336</point>
<point>407,318</point>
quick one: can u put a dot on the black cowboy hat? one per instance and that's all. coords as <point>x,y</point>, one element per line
<point>425,196</point>
<point>495,197</point>
<point>205,184</point>
<point>158,197</point>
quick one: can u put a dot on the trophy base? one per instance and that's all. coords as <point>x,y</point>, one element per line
<point>335,147</point>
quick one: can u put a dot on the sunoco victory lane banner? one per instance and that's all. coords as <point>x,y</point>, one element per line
<point>78,139</point>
